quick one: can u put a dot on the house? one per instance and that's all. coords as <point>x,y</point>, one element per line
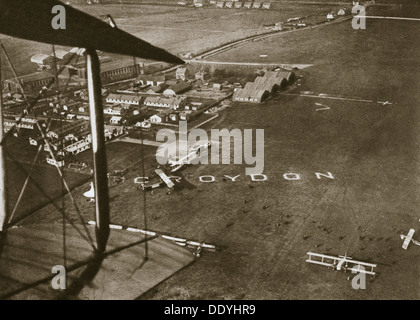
<point>182,74</point>
<point>256,5</point>
<point>342,12</point>
<point>330,16</point>
<point>162,102</point>
<point>213,2</point>
<point>198,3</point>
<point>156,118</point>
<point>177,89</point>
<point>43,60</point>
<point>220,4</point>
<point>266,5</point>
<point>238,5</point>
<point>248,5</point>
<point>229,4</point>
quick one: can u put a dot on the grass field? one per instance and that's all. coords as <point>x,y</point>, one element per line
<point>264,229</point>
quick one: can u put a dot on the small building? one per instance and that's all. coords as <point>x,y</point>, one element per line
<point>228,4</point>
<point>330,16</point>
<point>220,4</point>
<point>266,5</point>
<point>77,147</point>
<point>248,5</point>
<point>256,5</point>
<point>185,115</point>
<point>157,89</point>
<point>217,87</point>
<point>182,73</point>
<point>116,111</point>
<point>238,5</point>
<point>198,3</point>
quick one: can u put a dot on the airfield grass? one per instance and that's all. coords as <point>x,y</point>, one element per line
<point>264,229</point>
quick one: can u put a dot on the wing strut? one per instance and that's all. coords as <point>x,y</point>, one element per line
<point>98,147</point>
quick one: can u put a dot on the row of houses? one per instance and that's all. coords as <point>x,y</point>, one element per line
<point>263,86</point>
<point>238,4</point>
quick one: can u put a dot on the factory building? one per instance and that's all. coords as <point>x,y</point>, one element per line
<point>31,83</point>
<point>115,71</point>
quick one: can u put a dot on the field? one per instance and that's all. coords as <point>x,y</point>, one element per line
<point>264,229</point>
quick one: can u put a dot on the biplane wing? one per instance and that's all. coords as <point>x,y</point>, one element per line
<point>31,20</point>
<point>338,262</point>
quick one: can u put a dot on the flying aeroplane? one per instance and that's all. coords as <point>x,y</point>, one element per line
<point>409,238</point>
<point>341,263</point>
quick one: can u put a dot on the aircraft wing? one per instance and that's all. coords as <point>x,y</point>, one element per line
<point>328,261</point>
<point>31,20</point>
